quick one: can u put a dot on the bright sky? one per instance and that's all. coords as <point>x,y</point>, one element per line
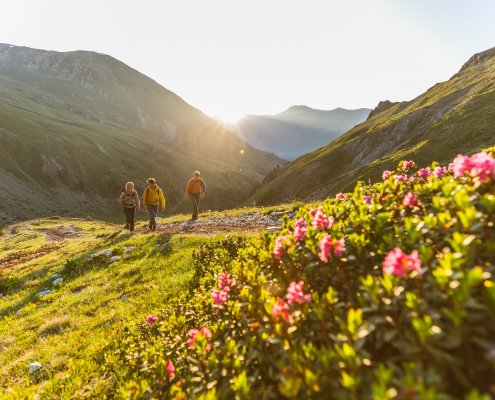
<point>228,57</point>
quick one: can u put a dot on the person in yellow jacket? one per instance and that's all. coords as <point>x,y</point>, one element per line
<point>152,195</point>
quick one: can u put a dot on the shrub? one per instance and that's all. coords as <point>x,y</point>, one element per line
<point>386,292</point>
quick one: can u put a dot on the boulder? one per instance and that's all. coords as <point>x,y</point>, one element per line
<point>115,258</point>
<point>167,245</point>
<point>54,276</point>
<point>125,297</point>
<point>88,218</point>
<point>277,214</point>
<point>19,311</point>
<point>44,293</point>
<point>129,249</point>
<point>1,295</point>
<point>34,367</point>
<point>59,280</point>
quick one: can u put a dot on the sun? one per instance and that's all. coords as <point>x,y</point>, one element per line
<point>230,117</point>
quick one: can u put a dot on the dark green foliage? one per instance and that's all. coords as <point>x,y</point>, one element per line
<point>364,334</point>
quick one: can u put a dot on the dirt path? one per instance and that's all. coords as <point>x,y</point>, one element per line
<point>203,230</point>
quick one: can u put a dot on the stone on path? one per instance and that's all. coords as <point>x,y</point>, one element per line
<point>59,280</point>
<point>125,297</point>
<point>54,276</point>
<point>34,367</point>
<point>167,245</point>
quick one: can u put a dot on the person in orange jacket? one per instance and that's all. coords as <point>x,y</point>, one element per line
<point>152,195</point>
<point>197,189</point>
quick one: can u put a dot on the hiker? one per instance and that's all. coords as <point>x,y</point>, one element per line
<point>152,195</point>
<point>129,199</point>
<point>196,187</point>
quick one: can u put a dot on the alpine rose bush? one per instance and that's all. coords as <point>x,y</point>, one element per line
<point>394,299</point>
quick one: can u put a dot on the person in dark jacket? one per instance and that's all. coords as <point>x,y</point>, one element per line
<point>197,189</point>
<point>130,200</point>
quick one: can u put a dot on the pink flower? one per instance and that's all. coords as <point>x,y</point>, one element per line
<point>409,200</point>
<point>321,220</point>
<point>170,369</point>
<point>439,171</point>
<point>279,245</point>
<point>280,308</point>
<point>479,165</point>
<point>224,281</point>
<point>193,334</point>
<point>327,244</point>
<point>312,211</point>
<point>397,263</point>
<point>151,319</point>
<point>460,165</point>
<point>451,166</point>
<point>219,296</point>
<point>227,237</point>
<point>400,178</point>
<point>483,166</point>
<point>407,164</point>
<point>300,229</point>
<point>295,293</point>
<point>412,179</point>
<point>386,175</point>
<point>424,172</point>
<point>341,196</point>
<point>367,199</point>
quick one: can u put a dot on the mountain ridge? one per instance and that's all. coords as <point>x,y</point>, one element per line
<point>455,116</point>
<point>80,124</point>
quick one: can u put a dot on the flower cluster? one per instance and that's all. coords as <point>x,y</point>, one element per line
<point>279,245</point>
<point>194,335</point>
<point>479,165</point>
<point>409,200</point>
<point>321,220</point>
<point>408,165</point>
<point>19,257</point>
<point>398,263</point>
<point>386,175</point>
<point>300,229</point>
<point>424,172</point>
<point>295,293</point>
<point>341,196</point>
<point>439,171</point>
<point>151,319</point>
<point>400,178</point>
<point>327,245</point>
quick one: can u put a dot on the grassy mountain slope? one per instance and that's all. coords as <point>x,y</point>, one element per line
<point>76,126</point>
<point>296,131</point>
<point>456,116</point>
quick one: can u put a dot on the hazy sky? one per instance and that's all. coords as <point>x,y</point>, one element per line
<point>228,57</point>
